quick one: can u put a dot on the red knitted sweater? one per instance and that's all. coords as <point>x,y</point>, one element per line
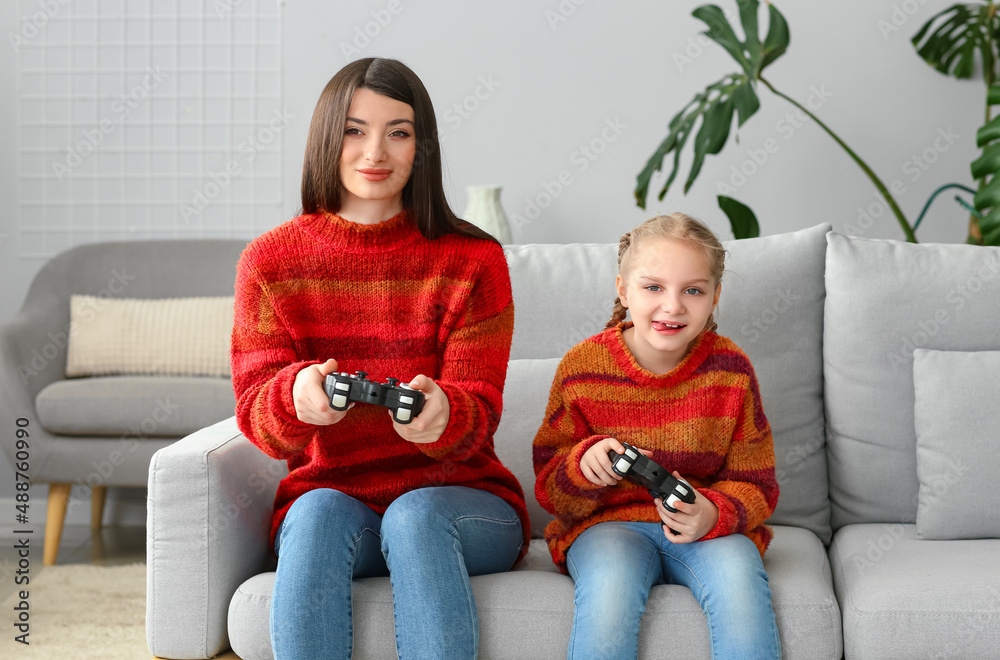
<point>703,419</point>
<point>385,300</point>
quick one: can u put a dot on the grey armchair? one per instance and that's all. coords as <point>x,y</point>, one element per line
<point>102,431</point>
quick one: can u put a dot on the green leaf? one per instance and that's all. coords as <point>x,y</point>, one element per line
<point>751,45</point>
<point>989,196</point>
<point>712,135</point>
<point>746,101</point>
<point>993,95</point>
<point>652,165</point>
<point>713,108</point>
<point>741,218</point>
<point>967,61</point>
<point>778,36</point>
<point>750,53</point>
<point>990,227</point>
<point>988,132</point>
<point>988,163</point>
<point>721,32</point>
<point>952,37</point>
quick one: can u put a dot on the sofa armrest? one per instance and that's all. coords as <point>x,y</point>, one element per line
<point>29,360</point>
<point>208,518</point>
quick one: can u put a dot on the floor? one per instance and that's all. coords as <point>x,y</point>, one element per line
<point>106,547</point>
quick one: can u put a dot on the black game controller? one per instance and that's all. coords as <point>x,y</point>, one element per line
<point>652,476</point>
<point>404,401</point>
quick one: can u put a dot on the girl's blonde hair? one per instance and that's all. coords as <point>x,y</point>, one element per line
<point>677,226</point>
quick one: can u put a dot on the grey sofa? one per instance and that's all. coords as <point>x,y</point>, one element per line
<point>91,433</point>
<point>830,323</point>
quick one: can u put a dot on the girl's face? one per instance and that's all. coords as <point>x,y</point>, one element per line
<point>670,293</point>
<point>378,151</point>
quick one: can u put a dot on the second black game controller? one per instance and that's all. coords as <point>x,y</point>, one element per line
<point>652,476</point>
<point>404,401</point>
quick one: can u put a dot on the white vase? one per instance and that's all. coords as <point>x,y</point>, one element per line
<point>485,212</point>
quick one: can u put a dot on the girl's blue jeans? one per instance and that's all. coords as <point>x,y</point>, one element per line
<point>429,541</point>
<point>614,565</point>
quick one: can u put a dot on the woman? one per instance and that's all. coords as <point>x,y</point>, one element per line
<point>379,275</point>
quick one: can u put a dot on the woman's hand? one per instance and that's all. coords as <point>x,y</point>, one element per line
<point>692,521</point>
<point>596,465</point>
<point>312,405</point>
<point>428,426</point>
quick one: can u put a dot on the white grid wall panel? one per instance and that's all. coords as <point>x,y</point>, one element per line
<point>148,119</point>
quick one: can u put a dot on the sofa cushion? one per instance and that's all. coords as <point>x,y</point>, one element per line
<point>883,300</point>
<point>178,336</point>
<point>143,406</point>
<point>525,397</point>
<point>958,446</point>
<point>772,307</point>
<point>534,602</point>
<point>549,321</point>
<point>906,598</point>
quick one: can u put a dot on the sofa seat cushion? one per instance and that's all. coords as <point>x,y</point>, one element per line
<point>143,406</point>
<point>528,613</point>
<point>903,597</point>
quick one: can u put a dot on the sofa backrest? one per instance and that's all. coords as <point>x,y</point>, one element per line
<point>771,306</point>
<point>126,269</point>
<point>884,300</point>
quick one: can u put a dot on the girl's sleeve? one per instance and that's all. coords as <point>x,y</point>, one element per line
<point>746,489</point>
<point>474,362</point>
<point>562,440</point>
<point>264,365</point>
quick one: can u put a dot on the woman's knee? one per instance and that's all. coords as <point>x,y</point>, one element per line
<point>323,512</point>
<point>415,509</point>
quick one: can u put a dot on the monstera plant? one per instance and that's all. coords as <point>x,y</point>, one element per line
<point>712,110</point>
<point>949,42</point>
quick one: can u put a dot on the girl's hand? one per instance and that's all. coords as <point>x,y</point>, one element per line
<point>428,426</point>
<point>692,521</point>
<point>312,405</point>
<point>596,465</point>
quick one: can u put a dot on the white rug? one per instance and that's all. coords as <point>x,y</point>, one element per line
<point>80,612</point>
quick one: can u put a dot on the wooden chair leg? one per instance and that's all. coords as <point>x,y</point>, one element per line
<point>55,517</point>
<point>97,497</point>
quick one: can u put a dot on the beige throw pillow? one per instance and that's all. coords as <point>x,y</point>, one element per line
<point>175,336</point>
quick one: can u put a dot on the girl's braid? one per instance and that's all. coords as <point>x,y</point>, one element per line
<point>619,311</point>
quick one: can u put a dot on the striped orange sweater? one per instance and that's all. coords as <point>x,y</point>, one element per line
<point>703,419</point>
<point>385,300</point>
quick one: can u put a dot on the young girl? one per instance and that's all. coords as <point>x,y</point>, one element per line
<point>687,398</point>
<point>378,275</point>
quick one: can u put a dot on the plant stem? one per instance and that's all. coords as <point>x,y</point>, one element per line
<point>910,236</point>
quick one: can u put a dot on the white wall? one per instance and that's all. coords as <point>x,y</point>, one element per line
<point>556,85</point>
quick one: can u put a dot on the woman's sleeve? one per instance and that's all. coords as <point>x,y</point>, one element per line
<point>264,365</point>
<point>746,489</point>
<point>474,362</point>
<point>562,440</point>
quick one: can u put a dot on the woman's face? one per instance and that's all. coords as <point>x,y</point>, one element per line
<point>379,146</point>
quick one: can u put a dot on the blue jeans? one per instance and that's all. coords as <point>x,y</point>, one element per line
<point>614,565</point>
<point>429,541</point>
